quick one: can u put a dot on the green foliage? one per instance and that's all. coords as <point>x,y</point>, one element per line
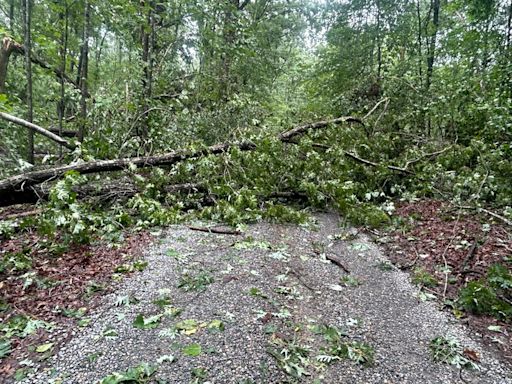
<point>422,277</point>
<point>195,282</point>
<point>293,359</point>
<point>5,348</point>
<point>64,214</point>
<point>150,322</point>
<point>448,350</point>
<point>16,262</point>
<point>140,374</point>
<point>488,296</point>
<point>192,350</point>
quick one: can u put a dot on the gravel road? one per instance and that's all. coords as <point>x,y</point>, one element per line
<point>256,306</point>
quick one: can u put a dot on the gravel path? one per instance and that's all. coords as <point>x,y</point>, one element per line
<point>248,301</point>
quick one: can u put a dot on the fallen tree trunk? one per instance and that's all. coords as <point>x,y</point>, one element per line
<point>20,185</point>
<point>36,128</point>
<point>20,188</point>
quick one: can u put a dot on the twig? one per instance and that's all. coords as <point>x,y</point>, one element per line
<point>490,213</point>
<point>470,255</point>
<point>408,266</point>
<point>335,260</point>
<point>20,215</point>
<point>215,230</point>
<point>299,277</point>
<point>446,272</point>
<point>429,155</point>
<point>386,99</point>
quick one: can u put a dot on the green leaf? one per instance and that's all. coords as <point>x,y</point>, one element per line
<point>44,347</point>
<point>192,350</point>
<point>216,326</point>
<point>5,348</point>
<point>151,322</point>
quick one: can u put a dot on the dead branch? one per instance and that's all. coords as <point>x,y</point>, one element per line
<point>216,230</point>
<point>336,260</point>
<point>15,216</point>
<point>287,136</point>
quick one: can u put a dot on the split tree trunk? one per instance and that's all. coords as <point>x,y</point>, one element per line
<point>9,46</point>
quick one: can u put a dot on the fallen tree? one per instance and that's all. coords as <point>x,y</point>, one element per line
<point>36,128</point>
<point>21,188</point>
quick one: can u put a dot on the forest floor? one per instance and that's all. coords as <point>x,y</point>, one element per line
<point>271,306</point>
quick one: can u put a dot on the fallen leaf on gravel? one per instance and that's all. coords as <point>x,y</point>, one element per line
<point>166,359</point>
<point>151,322</point>
<point>44,347</point>
<point>471,354</point>
<point>192,350</point>
<point>494,328</point>
<point>216,325</point>
<point>335,287</point>
<point>188,327</point>
<point>265,319</point>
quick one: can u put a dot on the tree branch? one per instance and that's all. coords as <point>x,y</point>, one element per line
<point>36,128</point>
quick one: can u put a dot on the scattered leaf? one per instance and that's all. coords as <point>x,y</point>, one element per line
<point>192,350</point>
<point>44,347</point>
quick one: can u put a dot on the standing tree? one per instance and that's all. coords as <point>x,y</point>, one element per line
<point>27,11</point>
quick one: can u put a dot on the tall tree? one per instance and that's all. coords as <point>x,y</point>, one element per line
<point>434,27</point>
<point>64,18</point>
<point>84,70</point>
<point>27,21</point>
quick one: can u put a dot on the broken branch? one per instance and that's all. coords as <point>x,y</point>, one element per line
<point>36,128</point>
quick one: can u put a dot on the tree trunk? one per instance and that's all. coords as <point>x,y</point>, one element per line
<point>8,46</point>
<point>420,42</point>
<point>63,50</point>
<point>146,38</point>
<point>84,72</point>
<point>436,5</point>
<point>27,11</point>
<point>11,17</point>
<point>379,43</point>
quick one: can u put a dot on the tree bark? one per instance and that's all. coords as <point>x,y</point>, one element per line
<point>11,17</point>
<point>27,11</point>
<point>10,46</point>
<point>63,51</point>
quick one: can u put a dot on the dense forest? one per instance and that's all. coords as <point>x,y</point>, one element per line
<point>121,116</point>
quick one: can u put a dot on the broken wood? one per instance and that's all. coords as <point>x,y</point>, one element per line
<point>20,215</point>
<point>36,128</point>
<point>216,230</point>
<point>366,162</point>
<point>14,186</point>
<point>287,136</point>
<point>336,260</point>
